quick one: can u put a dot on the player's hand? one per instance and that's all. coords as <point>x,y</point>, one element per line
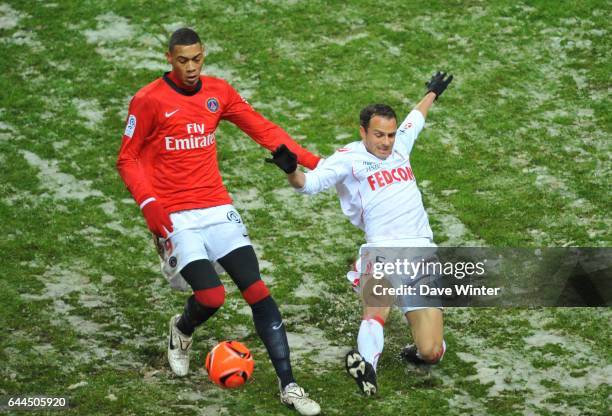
<point>157,218</point>
<point>284,159</point>
<point>437,84</point>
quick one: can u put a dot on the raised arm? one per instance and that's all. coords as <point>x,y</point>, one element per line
<point>412,125</point>
<point>425,103</point>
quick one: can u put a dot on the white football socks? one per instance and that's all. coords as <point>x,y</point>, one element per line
<point>371,340</point>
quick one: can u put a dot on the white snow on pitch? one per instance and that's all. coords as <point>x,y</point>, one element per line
<point>310,288</point>
<point>287,107</point>
<point>344,137</point>
<point>541,338</point>
<point>59,282</point>
<point>9,17</point>
<point>503,372</point>
<point>81,325</point>
<point>244,87</point>
<point>582,212</point>
<point>312,343</point>
<point>476,12</point>
<point>60,185</point>
<point>547,181</point>
<point>90,110</point>
<point>580,78</point>
<point>24,38</point>
<point>7,131</point>
<point>171,27</point>
<point>109,207</point>
<point>247,199</point>
<point>60,144</point>
<point>146,49</point>
<point>284,3</point>
<point>150,59</point>
<point>293,51</point>
<point>110,28</point>
<point>343,41</point>
<point>77,385</point>
<point>448,192</point>
<point>212,47</point>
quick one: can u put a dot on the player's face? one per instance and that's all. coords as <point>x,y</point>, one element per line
<point>380,136</point>
<point>187,61</point>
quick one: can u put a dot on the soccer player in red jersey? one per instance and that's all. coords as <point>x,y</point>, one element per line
<point>168,160</point>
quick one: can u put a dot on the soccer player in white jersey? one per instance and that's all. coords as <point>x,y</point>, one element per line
<point>378,192</point>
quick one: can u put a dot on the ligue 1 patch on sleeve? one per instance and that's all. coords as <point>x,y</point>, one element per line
<point>212,104</point>
<point>130,126</point>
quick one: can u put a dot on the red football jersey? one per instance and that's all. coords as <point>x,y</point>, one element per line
<point>169,148</point>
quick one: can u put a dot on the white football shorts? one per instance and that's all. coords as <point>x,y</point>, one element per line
<point>208,233</point>
<point>354,275</point>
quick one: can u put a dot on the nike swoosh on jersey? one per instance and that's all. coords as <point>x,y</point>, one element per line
<point>167,114</point>
<point>277,327</point>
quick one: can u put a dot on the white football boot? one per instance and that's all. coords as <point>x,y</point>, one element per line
<point>294,396</point>
<point>179,346</point>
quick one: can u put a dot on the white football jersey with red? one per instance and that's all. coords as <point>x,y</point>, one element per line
<point>379,196</point>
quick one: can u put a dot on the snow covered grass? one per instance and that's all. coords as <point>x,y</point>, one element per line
<point>516,153</point>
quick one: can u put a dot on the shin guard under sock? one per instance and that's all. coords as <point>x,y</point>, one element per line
<point>270,328</point>
<point>193,315</point>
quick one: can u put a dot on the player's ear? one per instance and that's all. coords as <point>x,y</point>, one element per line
<point>169,57</point>
<point>362,132</point>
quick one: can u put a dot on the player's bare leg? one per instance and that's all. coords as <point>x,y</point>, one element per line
<point>372,312</point>
<point>427,326</point>
<point>361,363</point>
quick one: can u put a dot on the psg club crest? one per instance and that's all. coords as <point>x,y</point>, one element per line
<point>212,104</point>
<point>172,261</point>
<point>233,217</point>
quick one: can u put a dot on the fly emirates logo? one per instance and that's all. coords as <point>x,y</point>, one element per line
<point>386,177</point>
<point>196,139</point>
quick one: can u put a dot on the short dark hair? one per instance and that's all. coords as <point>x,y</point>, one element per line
<point>183,36</point>
<point>372,110</point>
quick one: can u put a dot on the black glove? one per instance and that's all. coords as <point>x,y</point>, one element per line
<point>284,159</point>
<point>437,84</point>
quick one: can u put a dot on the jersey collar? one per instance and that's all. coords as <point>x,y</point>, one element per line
<point>181,90</point>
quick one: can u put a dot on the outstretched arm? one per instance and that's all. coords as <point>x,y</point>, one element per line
<point>425,103</point>
<point>412,125</point>
<point>326,175</point>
